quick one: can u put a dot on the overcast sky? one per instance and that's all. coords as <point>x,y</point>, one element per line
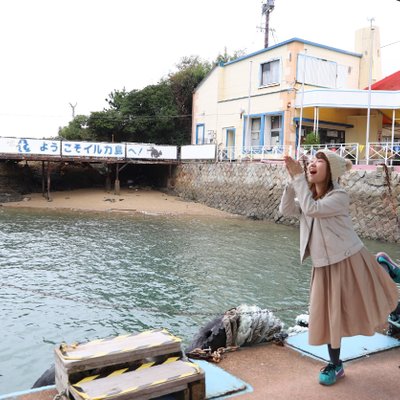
<point>57,52</point>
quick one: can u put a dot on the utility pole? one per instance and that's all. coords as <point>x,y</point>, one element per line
<point>267,9</point>
<point>371,39</point>
<point>73,109</point>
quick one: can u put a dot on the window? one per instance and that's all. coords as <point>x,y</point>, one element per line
<point>210,137</point>
<point>270,73</point>
<point>264,130</point>
<point>326,136</point>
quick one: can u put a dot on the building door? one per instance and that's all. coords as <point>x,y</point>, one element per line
<point>255,133</point>
<point>273,131</point>
<point>200,133</point>
<point>230,143</point>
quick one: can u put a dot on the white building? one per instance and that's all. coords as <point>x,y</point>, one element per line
<point>258,103</point>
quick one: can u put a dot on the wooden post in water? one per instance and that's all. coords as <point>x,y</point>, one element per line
<point>108,178</point>
<point>43,182</point>
<point>48,181</point>
<point>116,183</point>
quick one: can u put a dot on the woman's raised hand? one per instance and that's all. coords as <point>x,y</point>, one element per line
<point>293,167</point>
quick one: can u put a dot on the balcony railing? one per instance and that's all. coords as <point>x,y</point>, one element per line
<point>254,153</point>
<point>346,150</point>
<point>377,153</point>
<point>384,152</point>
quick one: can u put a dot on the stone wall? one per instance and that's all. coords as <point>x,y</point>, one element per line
<point>254,190</point>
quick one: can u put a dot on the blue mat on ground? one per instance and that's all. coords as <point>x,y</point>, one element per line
<point>221,384</point>
<point>352,347</point>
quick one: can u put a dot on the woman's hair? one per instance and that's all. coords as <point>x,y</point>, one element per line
<point>328,185</point>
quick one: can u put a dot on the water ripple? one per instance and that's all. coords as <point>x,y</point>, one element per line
<point>76,277</point>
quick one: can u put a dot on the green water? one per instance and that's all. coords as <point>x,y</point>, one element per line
<point>80,276</point>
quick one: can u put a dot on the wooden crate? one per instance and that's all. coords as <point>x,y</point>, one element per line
<point>103,356</point>
<point>184,379</point>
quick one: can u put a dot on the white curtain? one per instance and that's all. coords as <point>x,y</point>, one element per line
<point>318,72</point>
<point>270,72</point>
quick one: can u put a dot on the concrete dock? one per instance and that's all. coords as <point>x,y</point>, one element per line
<point>282,373</point>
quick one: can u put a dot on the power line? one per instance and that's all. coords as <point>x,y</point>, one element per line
<point>121,118</point>
<point>125,118</point>
<point>386,45</point>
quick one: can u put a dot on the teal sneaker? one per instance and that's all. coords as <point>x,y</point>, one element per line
<point>330,374</point>
<point>389,265</point>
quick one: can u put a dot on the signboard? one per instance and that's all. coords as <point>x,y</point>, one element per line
<point>61,148</point>
<point>30,146</point>
<point>93,149</point>
<point>146,150</point>
<point>198,152</point>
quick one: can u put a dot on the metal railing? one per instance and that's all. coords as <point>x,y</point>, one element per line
<point>346,150</point>
<point>253,153</point>
<point>383,152</point>
<point>375,153</point>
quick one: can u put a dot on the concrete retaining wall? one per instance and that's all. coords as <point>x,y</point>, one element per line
<point>254,190</point>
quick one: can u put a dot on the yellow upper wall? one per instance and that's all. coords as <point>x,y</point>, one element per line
<point>331,114</point>
<point>241,78</point>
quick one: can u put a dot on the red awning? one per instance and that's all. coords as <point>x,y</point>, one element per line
<point>391,82</point>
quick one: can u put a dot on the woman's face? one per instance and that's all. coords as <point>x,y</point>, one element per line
<point>317,170</point>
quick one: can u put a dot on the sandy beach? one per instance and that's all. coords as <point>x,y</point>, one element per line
<point>133,201</point>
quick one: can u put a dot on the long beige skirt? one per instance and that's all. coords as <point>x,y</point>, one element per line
<point>352,297</point>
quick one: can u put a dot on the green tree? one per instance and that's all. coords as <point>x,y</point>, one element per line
<point>149,115</point>
<point>224,57</point>
<point>107,126</point>
<point>77,129</point>
<point>191,71</point>
<point>311,139</point>
<point>160,113</point>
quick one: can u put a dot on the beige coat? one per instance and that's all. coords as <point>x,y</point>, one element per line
<point>326,230</point>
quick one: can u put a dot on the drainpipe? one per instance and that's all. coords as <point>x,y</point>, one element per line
<point>393,120</point>
<point>249,102</point>
<point>315,119</point>
<point>301,105</point>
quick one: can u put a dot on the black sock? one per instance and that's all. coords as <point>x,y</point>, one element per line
<point>334,355</point>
